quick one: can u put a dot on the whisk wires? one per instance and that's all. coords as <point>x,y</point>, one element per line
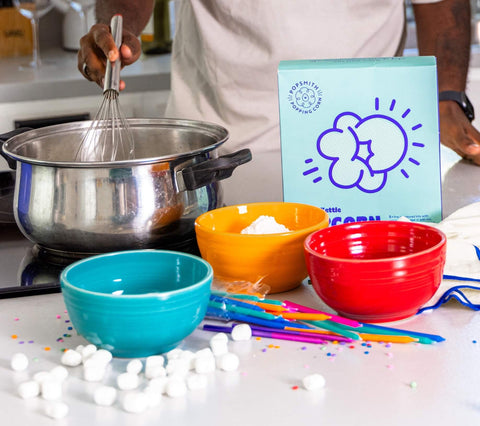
<point>109,137</point>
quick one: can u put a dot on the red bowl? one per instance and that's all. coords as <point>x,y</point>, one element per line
<point>376,271</point>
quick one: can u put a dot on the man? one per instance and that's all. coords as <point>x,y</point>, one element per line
<point>226,53</point>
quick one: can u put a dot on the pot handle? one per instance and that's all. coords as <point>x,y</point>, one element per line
<point>12,163</point>
<point>210,171</point>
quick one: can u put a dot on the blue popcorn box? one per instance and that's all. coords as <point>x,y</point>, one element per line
<point>360,137</point>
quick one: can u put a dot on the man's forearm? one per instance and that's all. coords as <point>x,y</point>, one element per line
<point>136,13</point>
<point>443,30</point>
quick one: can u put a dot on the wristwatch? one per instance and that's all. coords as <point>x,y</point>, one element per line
<point>461,99</point>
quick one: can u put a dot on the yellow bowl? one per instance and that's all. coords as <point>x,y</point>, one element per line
<point>276,260</point>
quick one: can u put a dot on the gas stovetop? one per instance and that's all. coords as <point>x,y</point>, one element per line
<point>26,269</point>
<point>22,272</point>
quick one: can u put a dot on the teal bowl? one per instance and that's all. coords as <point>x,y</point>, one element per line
<point>137,303</point>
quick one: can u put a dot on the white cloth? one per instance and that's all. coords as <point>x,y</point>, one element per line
<point>462,229</point>
<point>225,59</point>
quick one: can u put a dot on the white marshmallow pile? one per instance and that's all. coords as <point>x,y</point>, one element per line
<point>140,386</point>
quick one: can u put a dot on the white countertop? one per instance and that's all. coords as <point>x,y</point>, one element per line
<point>364,385</point>
<point>59,77</point>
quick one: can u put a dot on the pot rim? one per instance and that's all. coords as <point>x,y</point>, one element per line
<point>217,132</point>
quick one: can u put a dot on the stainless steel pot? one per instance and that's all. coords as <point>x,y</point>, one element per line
<point>67,206</point>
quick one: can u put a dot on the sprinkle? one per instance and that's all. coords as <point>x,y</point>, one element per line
<point>30,341</point>
<point>388,345</point>
<point>16,319</point>
<point>474,341</point>
<point>351,347</point>
<point>69,328</point>
<point>67,320</point>
<point>366,352</point>
<point>21,342</point>
<point>304,348</point>
<point>389,354</point>
<point>413,385</point>
<point>264,350</point>
<point>390,366</point>
<point>14,336</point>
<point>294,387</point>
<point>258,338</point>
<point>46,348</point>
<point>59,316</point>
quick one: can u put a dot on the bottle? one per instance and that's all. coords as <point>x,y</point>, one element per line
<point>156,38</point>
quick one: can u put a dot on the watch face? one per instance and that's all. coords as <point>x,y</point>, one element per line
<point>469,111</point>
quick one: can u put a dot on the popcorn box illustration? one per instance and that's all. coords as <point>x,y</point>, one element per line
<point>360,137</point>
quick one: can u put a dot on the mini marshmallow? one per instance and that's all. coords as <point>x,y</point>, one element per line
<point>313,382</point>
<point>42,376</point>
<point>228,362</point>
<point>154,396</point>
<point>205,364</point>
<point>19,362</point>
<point>56,410</point>
<point>135,402</point>
<point>71,358</point>
<point>154,366</point>
<point>134,366</point>
<point>197,381</point>
<point>203,352</point>
<point>79,348</point>
<point>159,384</point>
<point>178,366</point>
<point>88,351</point>
<point>128,381</point>
<point>102,356</point>
<point>222,337</point>
<point>59,372</point>
<point>219,344</point>
<point>241,332</point>
<point>51,390</point>
<point>105,396</point>
<point>174,353</point>
<point>28,389</point>
<point>175,388</point>
<point>155,371</point>
<point>94,372</point>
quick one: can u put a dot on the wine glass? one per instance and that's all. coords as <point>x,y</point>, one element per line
<point>34,10</point>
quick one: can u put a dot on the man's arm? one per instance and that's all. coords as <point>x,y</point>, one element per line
<point>443,30</point>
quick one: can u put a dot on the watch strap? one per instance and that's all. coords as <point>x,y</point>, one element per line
<point>461,99</point>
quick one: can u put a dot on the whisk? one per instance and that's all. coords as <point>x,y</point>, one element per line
<point>109,137</point>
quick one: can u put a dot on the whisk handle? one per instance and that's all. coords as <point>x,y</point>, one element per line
<point>112,72</point>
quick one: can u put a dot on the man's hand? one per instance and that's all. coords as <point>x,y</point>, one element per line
<point>457,133</point>
<point>98,46</point>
